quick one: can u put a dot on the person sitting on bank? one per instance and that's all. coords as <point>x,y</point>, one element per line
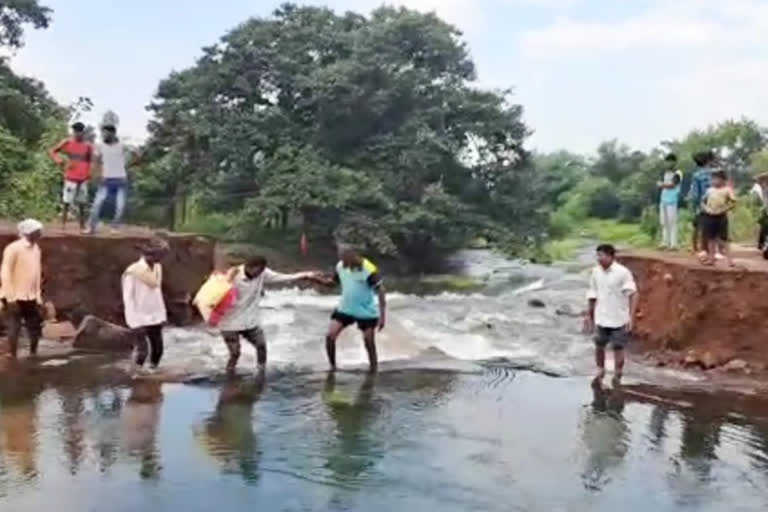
<point>144,305</point>
<point>716,204</point>
<point>20,286</point>
<point>613,299</point>
<point>242,319</point>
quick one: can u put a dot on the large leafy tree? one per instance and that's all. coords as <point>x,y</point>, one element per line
<point>30,120</point>
<point>367,128</point>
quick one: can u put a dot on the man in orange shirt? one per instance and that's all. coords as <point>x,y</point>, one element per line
<point>77,171</point>
<point>20,290</point>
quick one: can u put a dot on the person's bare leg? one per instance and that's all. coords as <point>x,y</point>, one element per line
<point>695,239</point>
<point>256,338</point>
<point>600,362</point>
<point>725,250</point>
<point>618,363</point>
<point>232,340</point>
<point>369,338</point>
<point>330,342</point>
<point>64,215</point>
<point>83,217</point>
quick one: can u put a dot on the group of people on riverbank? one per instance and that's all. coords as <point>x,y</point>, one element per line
<point>363,299</point>
<point>80,159</point>
<point>711,197</point>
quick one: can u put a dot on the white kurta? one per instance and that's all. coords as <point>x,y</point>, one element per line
<point>144,304</point>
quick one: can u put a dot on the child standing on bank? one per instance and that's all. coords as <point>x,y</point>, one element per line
<point>718,201</point>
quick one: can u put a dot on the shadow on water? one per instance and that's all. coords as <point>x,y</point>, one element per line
<point>139,420</point>
<point>228,433</point>
<point>604,434</point>
<point>497,438</point>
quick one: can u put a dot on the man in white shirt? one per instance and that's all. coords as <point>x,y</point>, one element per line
<point>143,301</point>
<point>612,297</point>
<point>242,319</point>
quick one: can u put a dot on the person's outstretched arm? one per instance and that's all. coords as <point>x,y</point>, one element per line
<point>272,276</point>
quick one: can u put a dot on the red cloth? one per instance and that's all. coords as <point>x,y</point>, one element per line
<point>80,155</point>
<point>221,308</point>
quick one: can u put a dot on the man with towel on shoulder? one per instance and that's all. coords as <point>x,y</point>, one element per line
<point>144,304</point>
<point>20,280</point>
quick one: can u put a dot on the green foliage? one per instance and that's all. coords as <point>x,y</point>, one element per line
<point>621,184</point>
<point>14,14</point>
<point>363,129</point>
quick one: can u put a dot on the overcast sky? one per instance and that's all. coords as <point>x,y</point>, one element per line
<point>584,70</point>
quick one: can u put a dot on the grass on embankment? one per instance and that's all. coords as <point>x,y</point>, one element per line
<point>646,234</point>
<point>604,231</point>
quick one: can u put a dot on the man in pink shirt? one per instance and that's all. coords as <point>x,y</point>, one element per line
<point>20,290</point>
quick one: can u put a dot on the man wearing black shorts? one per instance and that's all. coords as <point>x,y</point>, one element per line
<point>612,297</point>
<point>360,283</point>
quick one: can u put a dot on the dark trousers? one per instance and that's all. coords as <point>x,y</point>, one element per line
<point>763,236</point>
<point>151,335</point>
<point>26,313</point>
<point>255,336</point>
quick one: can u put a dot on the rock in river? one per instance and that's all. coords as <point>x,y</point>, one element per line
<point>536,303</point>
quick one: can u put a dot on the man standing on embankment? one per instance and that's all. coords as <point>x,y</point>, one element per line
<point>613,300</point>
<point>668,202</point>
<point>20,290</point>
<point>77,172</point>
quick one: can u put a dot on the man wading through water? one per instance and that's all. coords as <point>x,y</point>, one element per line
<point>360,284</point>
<point>612,297</point>
<point>21,277</point>
<point>242,319</point>
<point>144,305</point>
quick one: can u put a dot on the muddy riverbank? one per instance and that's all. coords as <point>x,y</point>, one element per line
<point>702,317</point>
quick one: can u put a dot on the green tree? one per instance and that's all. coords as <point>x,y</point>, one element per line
<point>353,127</point>
<point>14,14</point>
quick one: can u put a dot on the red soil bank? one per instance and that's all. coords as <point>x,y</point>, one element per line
<point>83,272</point>
<point>701,316</point>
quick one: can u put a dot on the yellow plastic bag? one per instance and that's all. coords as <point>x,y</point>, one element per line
<point>210,295</point>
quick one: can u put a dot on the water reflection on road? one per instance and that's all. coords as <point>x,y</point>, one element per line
<point>491,438</point>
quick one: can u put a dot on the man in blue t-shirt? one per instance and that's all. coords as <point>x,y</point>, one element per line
<point>668,202</point>
<point>360,283</point>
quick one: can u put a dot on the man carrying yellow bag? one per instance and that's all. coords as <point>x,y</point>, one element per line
<point>231,302</point>
<point>213,298</point>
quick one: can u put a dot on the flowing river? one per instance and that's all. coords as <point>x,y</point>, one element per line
<point>483,402</point>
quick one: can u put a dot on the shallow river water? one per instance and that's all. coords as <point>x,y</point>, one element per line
<point>482,403</point>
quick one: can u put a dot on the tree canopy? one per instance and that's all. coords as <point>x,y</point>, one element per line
<point>364,128</point>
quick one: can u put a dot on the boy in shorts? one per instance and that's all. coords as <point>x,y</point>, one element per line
<point>77,171</point>
<point>718,201</point>
<point>360,284</point>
